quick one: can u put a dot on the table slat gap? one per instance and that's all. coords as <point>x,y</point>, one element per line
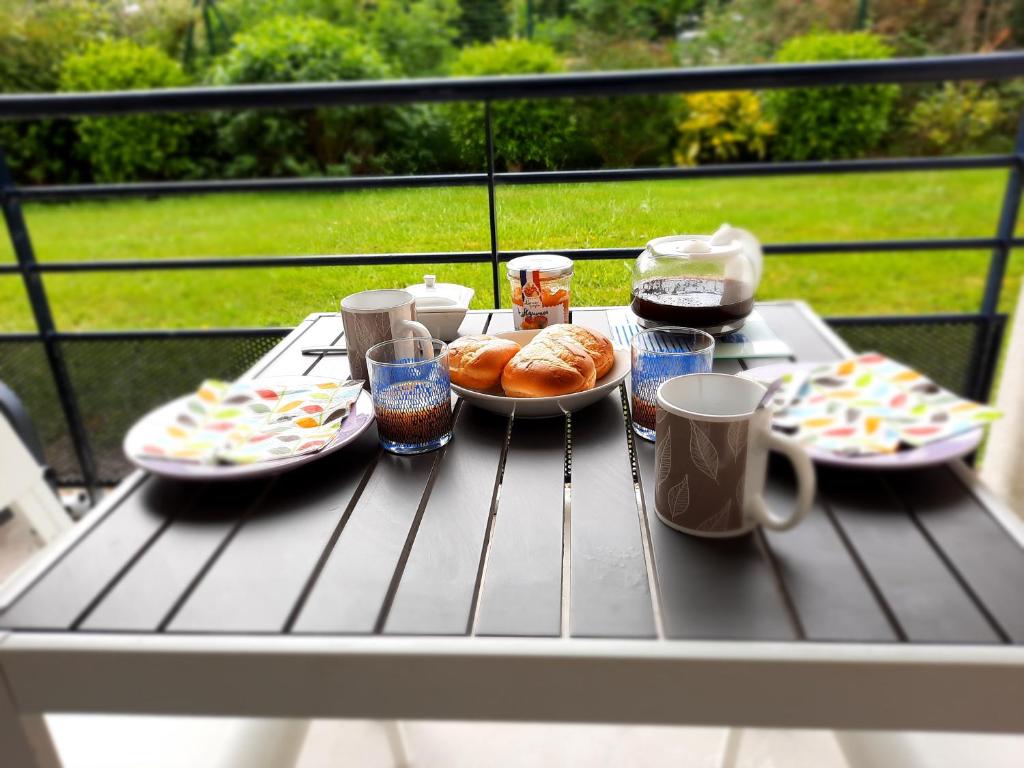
<point>223,545</point>
<point>566,604</point>
<point>321,331</point>
<point>946,611</point>
<point>319,358</point>
<point>609,590</point>
<point>865,573</point>
<point>116,499</point>
<point>1011,527</point>
<point>123,570</point>
<point>826,581</point>
<point>57,599</point>
<point>488,532</point>
<point>521,591</point>
<point>780,584</point>
<point>764,547</point>
<point>565,613</point>
<point>283,346</point>
<point>941,553</point>
<point>501,321</point>
<point>645,525</point>
<point>318,567</point>
<point>982,548</point>
<point>473,323</point>
<point>414,528</point>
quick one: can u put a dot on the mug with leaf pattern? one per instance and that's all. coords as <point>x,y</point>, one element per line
<point>711,455</point>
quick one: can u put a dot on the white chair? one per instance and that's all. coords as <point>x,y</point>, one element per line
<point>908,749</point>
<point>104,741</point>
<point>1003,466</point>
<point>23,483</point>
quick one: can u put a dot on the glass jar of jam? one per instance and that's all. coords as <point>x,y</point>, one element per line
<point>540,290</point>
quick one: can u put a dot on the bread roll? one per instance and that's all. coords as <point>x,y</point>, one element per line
<point>547,367</point>
<point>476,362</point>
<point>598,346</point>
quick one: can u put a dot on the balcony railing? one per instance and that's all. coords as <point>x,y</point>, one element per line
<point>981,331</point>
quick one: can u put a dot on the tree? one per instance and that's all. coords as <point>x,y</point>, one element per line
<point>482,21</point>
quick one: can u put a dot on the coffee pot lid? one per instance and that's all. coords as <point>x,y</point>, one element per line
<point>723,244</point>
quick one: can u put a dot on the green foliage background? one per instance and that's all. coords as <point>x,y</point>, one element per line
<point>138,146</point>
<point>539,134</point>
<point>839,122</point>
<point>144,45</point>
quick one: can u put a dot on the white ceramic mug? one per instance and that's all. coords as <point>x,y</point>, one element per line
<point>711,455</point>
<point>371,317</point>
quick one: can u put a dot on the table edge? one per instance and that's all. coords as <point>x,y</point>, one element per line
<point>763,684</point>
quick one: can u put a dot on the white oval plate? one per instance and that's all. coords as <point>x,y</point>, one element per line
<point>938,452</point>
<point>357,421</point>
<point>547,407</point>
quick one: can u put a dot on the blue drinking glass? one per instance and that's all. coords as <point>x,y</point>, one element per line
<point>412,395</point>
<point>660,354</point>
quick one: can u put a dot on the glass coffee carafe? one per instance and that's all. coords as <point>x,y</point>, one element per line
<point>698,281</point>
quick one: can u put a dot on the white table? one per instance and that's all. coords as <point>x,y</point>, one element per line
<point>375,586</point>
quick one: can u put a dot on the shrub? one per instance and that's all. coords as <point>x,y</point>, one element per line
<point>953,119</point>
<point>245,14</point>
<point>332,140</point>
<point>641,19</point>
<point>34,40</point>
<point>163,23</point>
<point>559,33</point>
<point>751,31</point>
<point>723,127</point>
<point>628,130</point>
<point>481,21</point>
<point>417,38</point>
<point>835,122</point>
<point>537,134</point>
<point>136,147</point>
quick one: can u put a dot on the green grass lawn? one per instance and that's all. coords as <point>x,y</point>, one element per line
<point>868,206</point>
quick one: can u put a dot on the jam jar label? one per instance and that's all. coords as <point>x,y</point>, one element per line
<point>542,305</point>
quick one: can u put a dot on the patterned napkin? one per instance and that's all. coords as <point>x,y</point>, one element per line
<point>249,421</point>
<point>871,404</point>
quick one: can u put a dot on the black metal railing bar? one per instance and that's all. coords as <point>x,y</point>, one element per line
<point>61,192</point>
<point>989,66</point>
<point>486,90</point>
<point>484,257</point>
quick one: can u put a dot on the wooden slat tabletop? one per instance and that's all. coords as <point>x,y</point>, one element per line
<point>532,529</point>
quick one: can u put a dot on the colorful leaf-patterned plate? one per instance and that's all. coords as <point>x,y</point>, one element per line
<point>358,420</point>
<point>939,452</point>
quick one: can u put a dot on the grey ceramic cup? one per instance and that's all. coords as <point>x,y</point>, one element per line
<point>371,317</point>
<point>711,457</point>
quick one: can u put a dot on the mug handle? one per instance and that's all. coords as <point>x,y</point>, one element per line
<point>805,485</point>
<point>414,329</point>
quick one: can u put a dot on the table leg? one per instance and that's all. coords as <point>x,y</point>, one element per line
<point>396,743</point>
<point>731,748</point>
<point>25,739</point>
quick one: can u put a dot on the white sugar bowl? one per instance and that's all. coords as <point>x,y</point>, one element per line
<point>441,306</point>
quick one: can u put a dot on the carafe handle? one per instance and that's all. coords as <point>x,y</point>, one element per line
<point>750,245</point>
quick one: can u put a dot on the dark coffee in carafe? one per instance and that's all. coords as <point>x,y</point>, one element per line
<point>693,302</point>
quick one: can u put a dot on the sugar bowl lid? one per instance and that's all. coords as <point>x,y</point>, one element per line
<point>432,295</point>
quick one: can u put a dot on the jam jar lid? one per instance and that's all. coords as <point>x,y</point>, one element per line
<point>547,264</point>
